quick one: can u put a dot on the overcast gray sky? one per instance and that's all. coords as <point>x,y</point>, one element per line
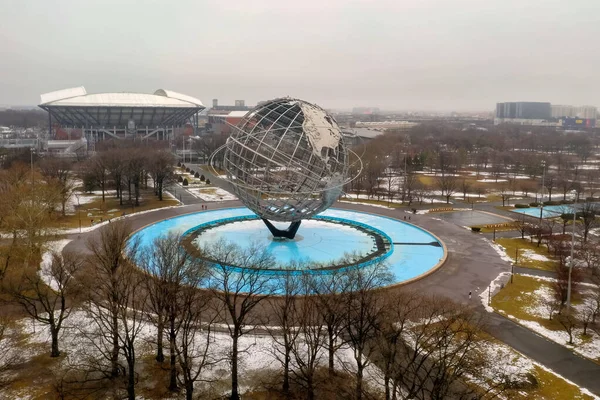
<point>395,54</point>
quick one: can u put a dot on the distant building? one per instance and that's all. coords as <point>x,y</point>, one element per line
<point>528,121</point>
<point>356,136</point>
<point>365,110</point>
<point>524,110</point>
<point>223,123</point>
<point>585,112</point>
<point>386,124</point>
<point>119,115</point>
<point>577,123</point>
<point>239,105</point>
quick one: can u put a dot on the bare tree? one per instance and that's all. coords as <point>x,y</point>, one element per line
<point>193,344</point>
<point>96,169</point>
<point>364,309</point>
<point>170,269</point>
<point>568,320</point>
<point>239,290</point>
<point>307,348</point>
<point>57,171</point>
<point>465,185</point>
<point>327,290</point>
<point>160,166</point>
<point>447,185</point>
<point>589,218</point>
<point>282,325</point>
<point>108,288</point>
<point>586,314</point>
<point>389,344</point>
<point>409,183</point>
<point>44,295</point>
<point>10,354</point>
<point>552,306</point>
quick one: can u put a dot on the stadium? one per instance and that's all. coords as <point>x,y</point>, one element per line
<point>122,115</point>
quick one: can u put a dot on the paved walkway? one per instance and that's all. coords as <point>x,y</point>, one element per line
<point>560,359</point>
<point>183,195</point>
<point>471,265</point>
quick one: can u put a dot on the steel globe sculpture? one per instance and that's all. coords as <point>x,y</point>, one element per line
<point>287,161</point>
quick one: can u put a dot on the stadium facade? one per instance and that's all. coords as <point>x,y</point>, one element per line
<point>121,115</point>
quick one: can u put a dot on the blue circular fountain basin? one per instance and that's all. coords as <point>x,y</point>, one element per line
<point>414,251</point>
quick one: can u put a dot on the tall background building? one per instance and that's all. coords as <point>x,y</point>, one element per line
<point>524,110</point>
<point>545,114</point>
<point>586,112</point>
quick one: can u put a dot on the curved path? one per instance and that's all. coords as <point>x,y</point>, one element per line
<point>471,265</point>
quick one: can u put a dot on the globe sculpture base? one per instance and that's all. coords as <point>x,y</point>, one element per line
<point>280,234</point>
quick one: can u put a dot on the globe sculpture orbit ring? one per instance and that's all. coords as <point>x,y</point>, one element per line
<point>287,161</point>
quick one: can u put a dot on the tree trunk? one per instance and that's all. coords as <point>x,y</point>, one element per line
<point>173,372</point>
<point>331,355</point>
<point>189,390</point>
<point>234,367</point>
<point>131,375</point>
<point>310,395</point>
<point>160,190</point>
<point>386,380</point>
<point>136,187</point>
<point>286,372</point>
<point>359,381</point>
<point>54,333</point>
<point>102,187</point>
<point>160,356</point>
<point>114,357</point>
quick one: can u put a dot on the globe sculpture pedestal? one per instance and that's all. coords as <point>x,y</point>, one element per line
<point>288,233</point>
<point>287,161</point>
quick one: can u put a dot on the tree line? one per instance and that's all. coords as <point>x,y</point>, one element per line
<point>425,346</point>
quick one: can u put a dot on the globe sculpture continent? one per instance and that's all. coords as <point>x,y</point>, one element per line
<point>287,161</point>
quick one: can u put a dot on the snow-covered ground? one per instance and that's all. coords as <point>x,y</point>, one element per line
<point>491,180</point>
<point>91,228</point>
<point>366,204</point>
<point>257,352</point>
<point>492,289</point>
<point>532,255</point>
<point>79,198</point>
<point>211,194</point>
<point>46,262</point>
<point>542,297</point>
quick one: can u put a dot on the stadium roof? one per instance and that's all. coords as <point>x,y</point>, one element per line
<point>79,97</point>
<point>75,107</point>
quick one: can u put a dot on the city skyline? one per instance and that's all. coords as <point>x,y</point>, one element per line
<point>422,56</point>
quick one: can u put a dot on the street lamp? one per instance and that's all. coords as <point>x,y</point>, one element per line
<point>31,150</point>
<point>543,187</point>
<point>78,211</point>
<point>572,259</point>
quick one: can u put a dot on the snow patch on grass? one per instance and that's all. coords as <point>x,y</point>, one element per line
<point>492,289</point>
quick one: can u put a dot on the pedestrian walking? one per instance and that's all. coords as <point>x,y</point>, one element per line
<point>469,295</point>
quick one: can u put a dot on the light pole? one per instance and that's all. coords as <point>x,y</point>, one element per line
<point>572,259</point>
<point>78,211</point>
<point>543,186</point>
<point>31,150</point>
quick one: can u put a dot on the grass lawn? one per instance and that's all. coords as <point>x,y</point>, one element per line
<point>427,180</point>
<point>511,246</point>
<point>551,386</point>
<point>516,297</point>
<point>97,210</point>
<point>484,229</point>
